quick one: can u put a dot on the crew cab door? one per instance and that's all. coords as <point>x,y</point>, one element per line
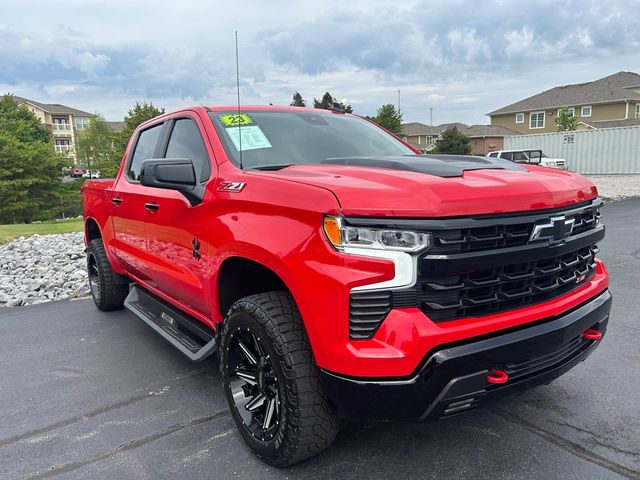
<point>177,232</point>
<point>129,242</point>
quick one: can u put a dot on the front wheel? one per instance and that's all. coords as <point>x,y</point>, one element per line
<point>271,382</point>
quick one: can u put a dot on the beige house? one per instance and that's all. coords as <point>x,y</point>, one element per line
<point>611,99</point>
<point>483,138</point>
<point>64,123</point>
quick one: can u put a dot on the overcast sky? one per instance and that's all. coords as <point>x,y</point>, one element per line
<point>463,59</point>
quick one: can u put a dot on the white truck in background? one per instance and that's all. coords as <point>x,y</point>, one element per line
<point>530,156</point>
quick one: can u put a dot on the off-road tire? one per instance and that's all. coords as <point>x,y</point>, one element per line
<point>110,293</point>
<point>308,423</point>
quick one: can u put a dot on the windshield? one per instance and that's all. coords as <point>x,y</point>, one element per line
<point>281,138</point>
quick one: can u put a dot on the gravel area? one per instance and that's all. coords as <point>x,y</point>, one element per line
<point>616,187</point>
<point>42,268</point>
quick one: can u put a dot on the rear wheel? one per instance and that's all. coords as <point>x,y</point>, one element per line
<point>108,294</point>
<point>271,382</point>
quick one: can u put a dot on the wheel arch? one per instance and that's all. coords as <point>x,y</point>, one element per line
<point>91,230</point>
<point>240,276</point>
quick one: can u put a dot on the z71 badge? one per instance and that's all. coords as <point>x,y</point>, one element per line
<point>233,187</point>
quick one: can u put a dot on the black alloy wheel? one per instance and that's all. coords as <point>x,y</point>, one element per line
<point>254,384</point>
<point>94,277</point>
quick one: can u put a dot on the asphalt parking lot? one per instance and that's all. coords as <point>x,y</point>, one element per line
<point>87,394</point>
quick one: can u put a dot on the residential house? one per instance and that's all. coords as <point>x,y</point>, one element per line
<point>615,98</point>
<point>419,135</point>
<point>598,124</point>
<point>64,123</point>
<point>483,138</point>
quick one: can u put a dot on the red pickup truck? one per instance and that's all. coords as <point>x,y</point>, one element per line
<point>334,271</point>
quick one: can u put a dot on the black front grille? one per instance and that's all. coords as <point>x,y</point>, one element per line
<point>505,287</point>
<point>486,265</point>
<point>481,238</point>
<point>504,232</point>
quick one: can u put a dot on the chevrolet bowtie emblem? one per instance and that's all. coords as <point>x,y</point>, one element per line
<point>555,229</point>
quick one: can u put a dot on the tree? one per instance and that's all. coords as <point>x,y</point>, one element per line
<point>328,101</point>
<point>566,121</point>
<point>454,142</point>
<point>140,113</point>
<point>389,118</point>
<point>30,171</point>
<point>96,147</point>
<point>298,101</point>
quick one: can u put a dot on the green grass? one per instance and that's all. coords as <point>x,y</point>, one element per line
<point>10,232</point>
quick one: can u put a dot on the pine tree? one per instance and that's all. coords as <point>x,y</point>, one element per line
<point>298,101</point>
<point>325,102</point>
<point>328,101</point>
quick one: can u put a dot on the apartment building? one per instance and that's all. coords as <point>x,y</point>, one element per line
<point>612,101</point>
<point>64,123</point>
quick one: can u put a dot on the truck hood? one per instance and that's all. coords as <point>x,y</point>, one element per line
<point>365,190</point>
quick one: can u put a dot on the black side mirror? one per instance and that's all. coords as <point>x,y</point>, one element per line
<point>172,174</point>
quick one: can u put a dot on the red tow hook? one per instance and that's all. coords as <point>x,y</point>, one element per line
<point>591,334</point>
<point>497,377</point>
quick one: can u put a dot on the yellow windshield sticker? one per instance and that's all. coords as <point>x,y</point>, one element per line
<point>235,120</point>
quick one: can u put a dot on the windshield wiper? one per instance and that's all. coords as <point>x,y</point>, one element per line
<point>273,167</point>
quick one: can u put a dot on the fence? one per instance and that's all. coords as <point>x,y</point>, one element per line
<point>604,151</point>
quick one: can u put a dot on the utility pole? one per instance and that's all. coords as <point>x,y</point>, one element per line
<point>431,116</point>
<point>398,100</point>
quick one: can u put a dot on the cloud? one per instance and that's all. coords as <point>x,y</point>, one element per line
<point>435,98</point>
<point>458,58</point>
<point>462,100</point>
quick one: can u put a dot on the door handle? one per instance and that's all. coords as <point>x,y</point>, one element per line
<point>152,207</point>
<point>116,201</point>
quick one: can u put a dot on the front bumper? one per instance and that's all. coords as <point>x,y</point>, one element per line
<point>452,379</point>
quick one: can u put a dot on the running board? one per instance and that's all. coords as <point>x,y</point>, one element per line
<point>192,338</point>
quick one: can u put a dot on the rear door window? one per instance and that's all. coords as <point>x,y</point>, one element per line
<point>506,155</point>
<point>186,142</point>
<point>145,149</point>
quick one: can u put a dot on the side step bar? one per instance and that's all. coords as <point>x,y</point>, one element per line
<point>192,338</point>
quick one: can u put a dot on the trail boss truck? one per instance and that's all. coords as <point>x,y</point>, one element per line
<point>335,271</point>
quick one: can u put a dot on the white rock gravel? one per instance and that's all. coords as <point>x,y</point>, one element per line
<point>617,187</point>
<point>42,268</point>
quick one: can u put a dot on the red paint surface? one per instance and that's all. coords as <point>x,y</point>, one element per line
<point>276,221</point>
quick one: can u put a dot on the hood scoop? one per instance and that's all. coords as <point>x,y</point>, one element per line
<point>438,165</point>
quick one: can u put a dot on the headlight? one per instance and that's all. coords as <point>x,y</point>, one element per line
<point>342,236</point>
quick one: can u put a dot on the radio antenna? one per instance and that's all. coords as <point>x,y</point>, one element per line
<point>238,93</point>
